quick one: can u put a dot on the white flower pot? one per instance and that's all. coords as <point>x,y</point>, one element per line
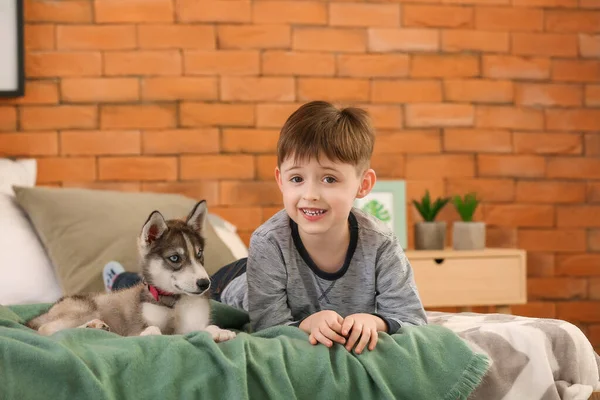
<point>468,236</point>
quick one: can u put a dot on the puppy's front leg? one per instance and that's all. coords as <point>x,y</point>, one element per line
<point>218,334</point>
<point>151,330</point>
<point>96,324</point>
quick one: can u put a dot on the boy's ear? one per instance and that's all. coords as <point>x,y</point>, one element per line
<point>366,185</point>
<point>278,177</point>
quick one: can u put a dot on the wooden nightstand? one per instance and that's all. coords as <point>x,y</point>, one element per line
<point>449,278</point>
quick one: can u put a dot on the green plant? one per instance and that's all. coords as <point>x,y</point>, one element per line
<point>466,206</point>
<point>429,210</point>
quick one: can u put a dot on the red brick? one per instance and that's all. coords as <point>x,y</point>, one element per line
<point>593,192</point>
<point>477,140</point>
<point>576,70</point>
<point>592,95</point>
<point>472,40</point>
<point>8,118</point>
<point>40,37</point>
<point>95,37</point>
<point>217,167</point>
<point>92,90</point>
<point>250,193</point>
<point>486,2</point>
<point>544,44</point>
<point>391,39</point>
<point>58,11</point>
<point>406,91</point>
<point>166,36</point>
<point>289,12</point>
<point>244,218</point>
<point>589,3</point>
<point>28,144</point>
<point>572,21</point>
<point>509,19</point>
<point>114,186</point>
<point>143,62</point>
<point>297,63</point>
<point>545,3</point>
<point>511,67</point>
<point>509,117</point>
<point>501,236</point>
<point>36,92</point>
<point>214,10</point>
<point>479,91</point>
<point>265,167</point>
<point>142,11</point>
<point>334,89</point>
<point>573,168</point>
<point>553,192</point>
<point>540,264</point>
<point>207,190</point>
<point>222,62</point>
<point>250,140</point>
<point>556,240</point>
<point>430,115</point>
<point>578,311</point>
<point>329,40</point>
<point>388,166</point>
<point>573,120</point>
<point>51,64</point>
<point>537,94</point>
<point>525,166</point>
<point>409,141</point>
<point>384,116</point>
<point>76,169</point>
<point>440,166</point>
<point>494,190</point>
<point>138,116</point>
<point>437,16</point>
<point>364,14</point>
<point>578,216</point>
<point>593,239</point>
<point>534,310</point>
<point>594,289</point>
<point>578,264</point>
<point>589,45</point>
<point>519,215</point>
<point>373,65</point>
<point>444,66</point>
<point>556,288</point>
<point>181,141</point>
<point>206,114</point>
<point>592,144</point>
<point>274,115</point>
<point>257,89</point>
<point>254,36</point>
<point>137,168</point>
<point>180,88</point>
<point>58,117</point>
<point>415,189</point>
<point>87,143</point>
<point>547,143</point>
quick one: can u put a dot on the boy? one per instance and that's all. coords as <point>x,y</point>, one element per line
<point>321,265</point>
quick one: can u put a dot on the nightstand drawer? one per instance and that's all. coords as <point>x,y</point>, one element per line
<point>469,278</point>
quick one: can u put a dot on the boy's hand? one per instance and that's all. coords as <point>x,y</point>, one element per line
<point>363,326</point>
<point>324,327</point>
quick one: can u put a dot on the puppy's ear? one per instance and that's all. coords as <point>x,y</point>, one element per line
<point>197,217</point>
<point>153,229</point>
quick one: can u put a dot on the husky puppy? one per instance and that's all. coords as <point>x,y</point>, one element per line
<point>172,299</point>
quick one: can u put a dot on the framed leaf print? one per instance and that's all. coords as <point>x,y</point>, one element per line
<point>12,65</point>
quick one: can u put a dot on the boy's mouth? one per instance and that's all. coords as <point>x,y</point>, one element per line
<point>313,212</point>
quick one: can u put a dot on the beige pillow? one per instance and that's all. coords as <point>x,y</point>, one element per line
<point>83,229</point>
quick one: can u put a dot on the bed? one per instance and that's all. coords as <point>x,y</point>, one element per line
<point>457,356</point>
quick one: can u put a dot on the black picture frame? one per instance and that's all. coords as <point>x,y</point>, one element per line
<point>19,91</point>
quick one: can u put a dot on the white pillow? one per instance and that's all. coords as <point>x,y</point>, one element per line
<point>26,273</point>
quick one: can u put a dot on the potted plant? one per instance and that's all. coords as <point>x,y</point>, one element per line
<point>430,234</point>
<point>467,234</point>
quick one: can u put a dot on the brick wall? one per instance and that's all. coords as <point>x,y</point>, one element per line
<point>186,96</point>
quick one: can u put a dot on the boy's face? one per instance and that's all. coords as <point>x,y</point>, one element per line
<point>318,195</point>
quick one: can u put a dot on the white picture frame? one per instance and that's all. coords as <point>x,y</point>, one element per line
<point>12,64</point>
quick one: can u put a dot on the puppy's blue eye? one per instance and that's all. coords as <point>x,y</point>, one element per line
<point>199,254</point>
<point>174,258</point>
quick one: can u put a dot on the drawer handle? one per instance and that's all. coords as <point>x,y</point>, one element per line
<point>438,260</point>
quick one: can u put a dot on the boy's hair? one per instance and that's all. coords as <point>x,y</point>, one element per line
<point>318,128</point>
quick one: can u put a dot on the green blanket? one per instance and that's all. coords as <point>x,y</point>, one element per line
<point>428,362</point>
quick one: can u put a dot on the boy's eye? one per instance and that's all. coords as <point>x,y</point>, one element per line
<point>296,179</point>
<point>175,258</point>
<point>329,179</point>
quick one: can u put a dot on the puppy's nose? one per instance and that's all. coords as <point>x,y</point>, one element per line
<point>203,284</point>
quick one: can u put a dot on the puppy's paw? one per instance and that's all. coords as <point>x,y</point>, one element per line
<point>96,324</point>
<point>151,330</point>
<point>218,334</point>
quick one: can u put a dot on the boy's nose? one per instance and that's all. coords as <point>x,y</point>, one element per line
<point>311,194</point>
